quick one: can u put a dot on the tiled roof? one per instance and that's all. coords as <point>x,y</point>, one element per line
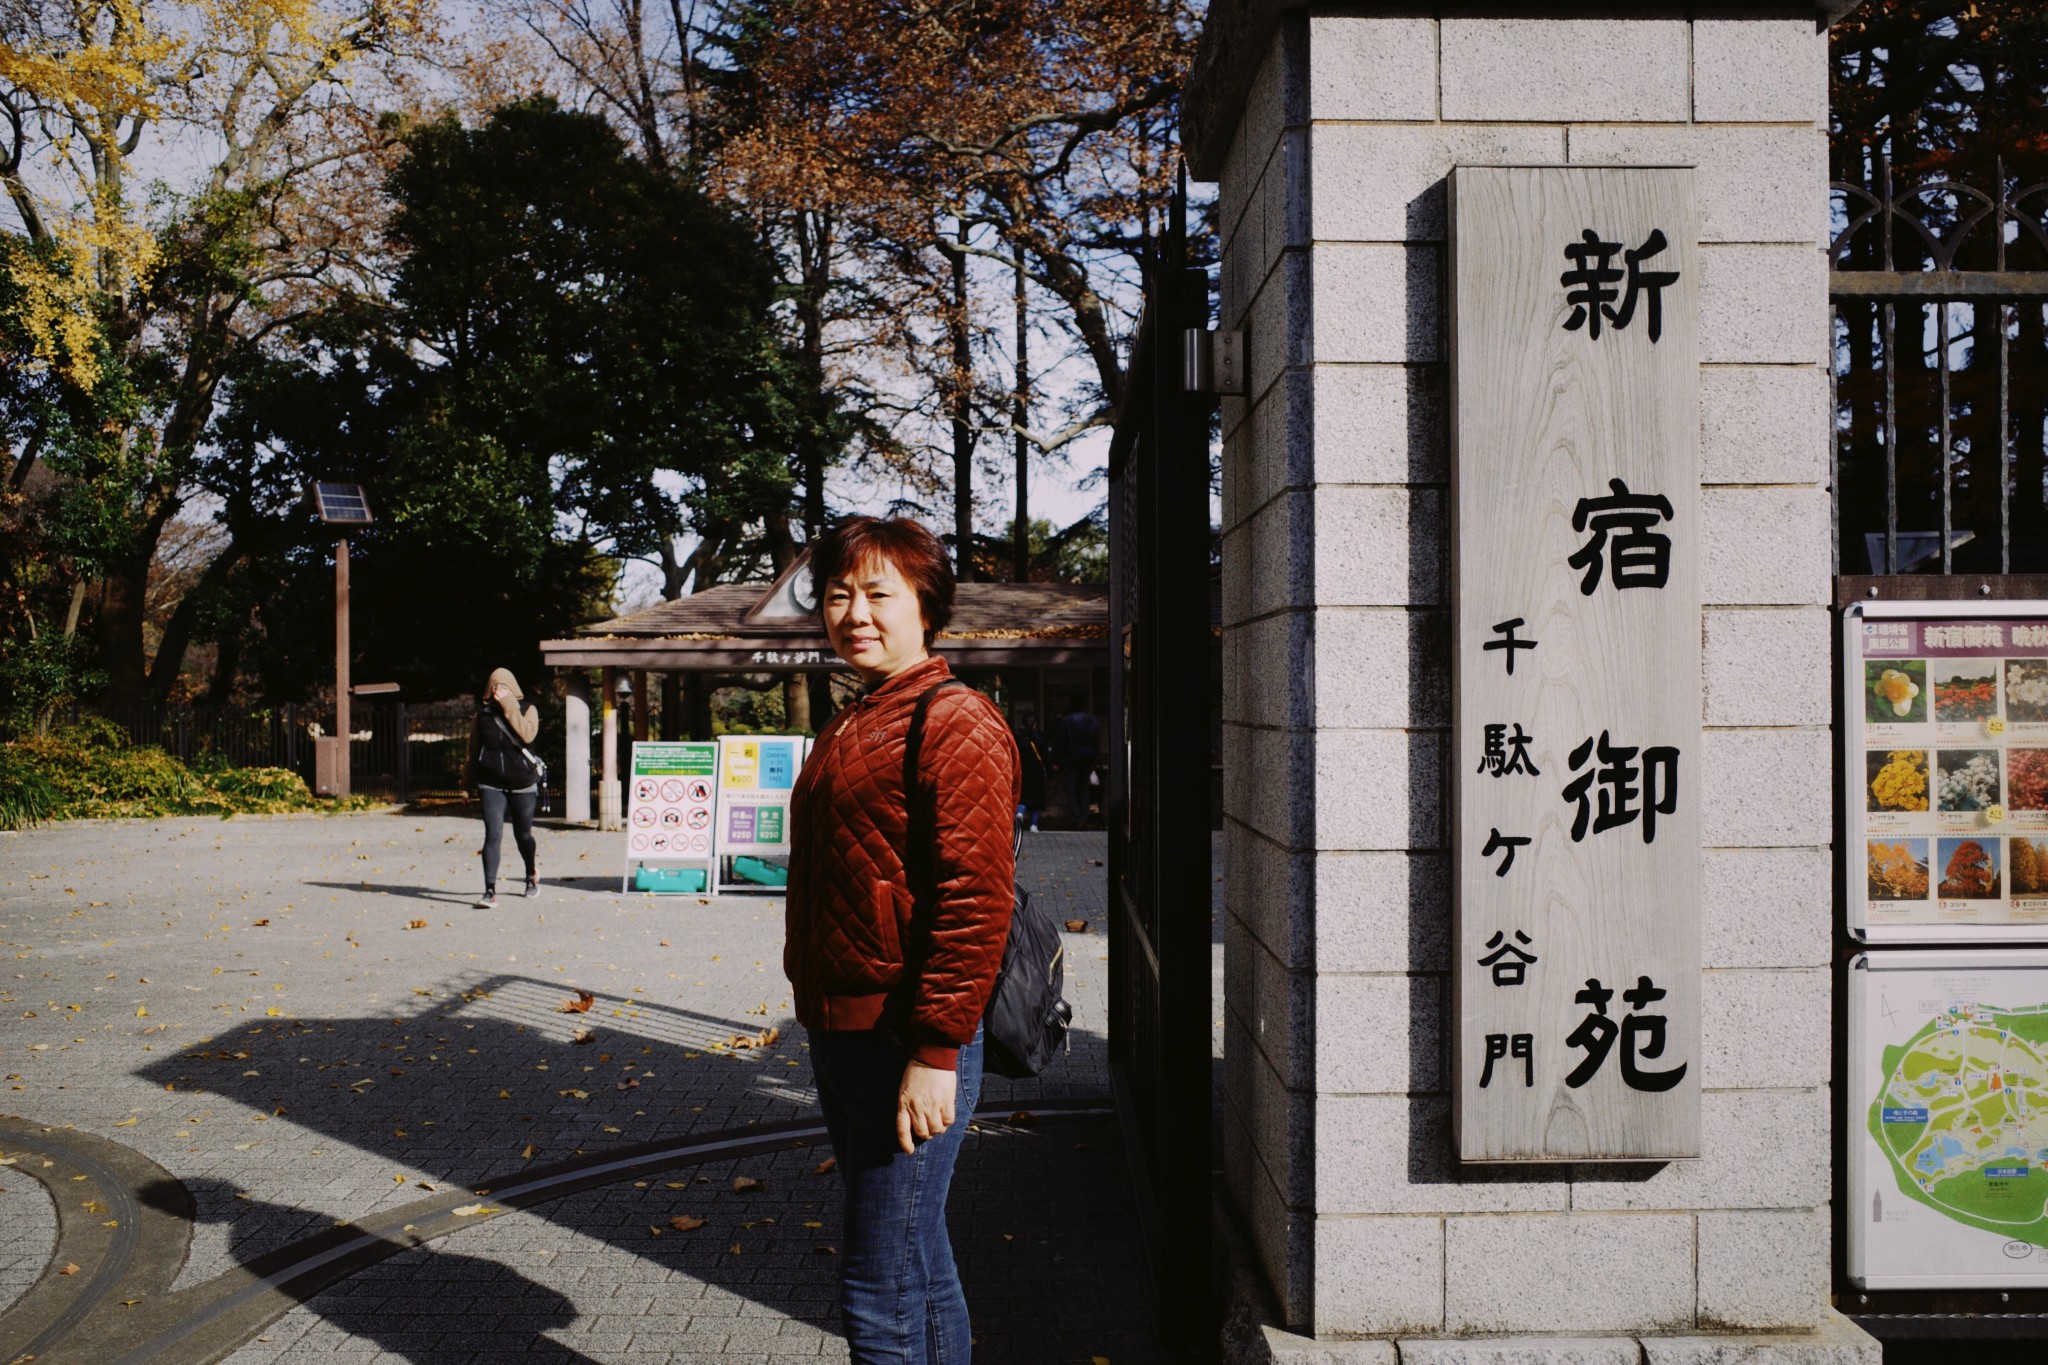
<point>980,611</point>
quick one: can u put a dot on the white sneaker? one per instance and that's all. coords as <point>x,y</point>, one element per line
<point>487,901</point>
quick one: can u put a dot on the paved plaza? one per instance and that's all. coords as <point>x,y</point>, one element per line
<point>275,1091</point>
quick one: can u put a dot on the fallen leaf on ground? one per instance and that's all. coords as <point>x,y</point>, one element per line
<point>583,1035</point>
<point>1077,926</point>
<point>259,924</point>
<point>416,924</point>
<point>574,1094</point>
<point>823,1250</point>
<point>471,1210</point>
<point>580,1003</point>
<point>128,1123</point>
<point>830,1163</point>
<point>734,1249</point>
<point>70,1268</point>
<point>746,1184</point>
<point>527,1155</point>
<point>142,1011</point>
<point>1024,1118</point>
<point>682,1222</point>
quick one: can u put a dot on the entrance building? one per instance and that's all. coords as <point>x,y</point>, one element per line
<point>1336,135</point>
<point>1037,649</point>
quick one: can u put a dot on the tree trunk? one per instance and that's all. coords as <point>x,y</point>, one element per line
<point>118,626</point>
<point>796,697</point>
<point>671,707</point>
<point>177,637</point>
<point>227,666</point>
<point>961,401</point>
<point>1020,416</point>
<point>697,704</point>
<point>814,242</point>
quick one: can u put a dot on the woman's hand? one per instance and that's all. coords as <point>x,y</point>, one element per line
<point>924,1104</point>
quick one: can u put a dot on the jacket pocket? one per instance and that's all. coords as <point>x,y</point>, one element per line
<point>891,919</point>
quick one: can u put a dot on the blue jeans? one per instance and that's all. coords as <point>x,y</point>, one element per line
<point>899,1291</point>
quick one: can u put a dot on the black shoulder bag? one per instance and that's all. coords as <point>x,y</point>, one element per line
<point>1026,1024</point>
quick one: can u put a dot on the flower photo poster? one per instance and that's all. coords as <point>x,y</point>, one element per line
<point>1946,766</point>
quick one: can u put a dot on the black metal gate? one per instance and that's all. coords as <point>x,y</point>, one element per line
<point>1158,810</point>
<point>1940,421</point>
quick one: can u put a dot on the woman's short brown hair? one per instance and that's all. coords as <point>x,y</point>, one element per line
<point>916,553</point>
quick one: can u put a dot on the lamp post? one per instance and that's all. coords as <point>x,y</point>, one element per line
<point>339,504</point>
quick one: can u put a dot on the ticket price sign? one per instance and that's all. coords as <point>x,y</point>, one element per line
<point>671,804</point>
<point>1576,618</point>
<point>1948,1119</point>
<point>1945,770</point>
<point>757,777</point>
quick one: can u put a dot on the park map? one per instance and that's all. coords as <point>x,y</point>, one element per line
<point>1962,1115</point>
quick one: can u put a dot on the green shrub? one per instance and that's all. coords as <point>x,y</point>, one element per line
<point>87,771</point>
<point>26,796</point>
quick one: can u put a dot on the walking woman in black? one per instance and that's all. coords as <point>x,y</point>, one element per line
<point>506,778</point>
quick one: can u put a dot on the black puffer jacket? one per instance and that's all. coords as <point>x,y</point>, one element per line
<point>500,760</point>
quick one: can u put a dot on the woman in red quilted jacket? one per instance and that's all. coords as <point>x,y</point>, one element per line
<point>899,904</point>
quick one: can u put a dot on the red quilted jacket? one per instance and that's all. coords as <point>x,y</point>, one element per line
<point>851,952</point>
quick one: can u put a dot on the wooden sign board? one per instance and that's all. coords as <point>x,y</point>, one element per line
<point>1576,663</point>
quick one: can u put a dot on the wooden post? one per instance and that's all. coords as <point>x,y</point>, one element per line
<point>341,698</point>
<point>609,814</point>
<point>640,707</point>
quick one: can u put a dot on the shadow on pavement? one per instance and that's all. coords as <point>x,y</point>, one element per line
<point>429,1328</point>
<point>485,1080</point>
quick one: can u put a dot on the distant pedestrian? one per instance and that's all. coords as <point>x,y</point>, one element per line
<point>1080,745</point>
<point>898,908</point>
<point>506,777</point>
<point>1031,768</point>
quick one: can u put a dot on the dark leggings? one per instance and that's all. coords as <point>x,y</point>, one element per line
<point>497,802</point>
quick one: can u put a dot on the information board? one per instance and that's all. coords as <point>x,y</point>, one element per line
<point>757,774</point>
<point>1948,1119</point>
<point>671,804</point>
<point>1575,657</point>
<point>1945,770</point>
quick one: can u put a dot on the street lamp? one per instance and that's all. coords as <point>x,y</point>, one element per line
<point>339,504</point>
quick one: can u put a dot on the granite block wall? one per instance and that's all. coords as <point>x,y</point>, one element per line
<point>1335,506</point>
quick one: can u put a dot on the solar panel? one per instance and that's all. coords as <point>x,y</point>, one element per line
<point>342,502</point>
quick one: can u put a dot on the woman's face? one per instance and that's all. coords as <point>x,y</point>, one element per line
<point>874,620</point>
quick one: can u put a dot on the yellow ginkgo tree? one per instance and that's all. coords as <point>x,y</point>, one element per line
<point>182,178</point>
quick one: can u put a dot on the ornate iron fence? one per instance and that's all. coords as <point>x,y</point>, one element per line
<point>1940,293</point>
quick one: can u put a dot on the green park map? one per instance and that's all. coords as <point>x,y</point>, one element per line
<point>1962,1115</point>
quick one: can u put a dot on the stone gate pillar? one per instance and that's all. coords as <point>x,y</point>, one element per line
<point>1331,132</point>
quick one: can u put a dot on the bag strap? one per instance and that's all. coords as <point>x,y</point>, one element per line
<point>525,750</point>
<point>913,748</point>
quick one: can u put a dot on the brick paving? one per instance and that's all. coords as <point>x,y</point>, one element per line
<point>305,1022</point>
<point>31,1223</point>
